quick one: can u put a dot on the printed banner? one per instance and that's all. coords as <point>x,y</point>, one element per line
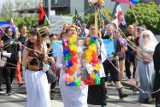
<point>56,45</point>
<point>109,46</point>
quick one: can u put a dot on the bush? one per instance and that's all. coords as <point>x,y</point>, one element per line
<point>147,14</point>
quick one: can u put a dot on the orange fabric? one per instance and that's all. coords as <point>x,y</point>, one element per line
<point>18,73</point>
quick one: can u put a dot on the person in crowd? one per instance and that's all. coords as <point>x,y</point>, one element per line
<point>23,35</point>
<point>11,47</point>
<point>139,32</point>
<point>63,33</point>
<point>104,32</point>
<point>35,78</point>
<point>75,96</point>
<point>44,31</point>
<point>52,37</point>
<point>123,45</point>
<point>156,86</point>
<point>84,31</point>
<point>130,54</point>
<point>147,43</point>
<point>23,39</point>
<point>112,61</point>
<point>97,93</point>
<point>102,25</point>
<point>18,68</point>
<point>1,48</point>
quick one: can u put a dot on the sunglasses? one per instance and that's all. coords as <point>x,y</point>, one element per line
<point>9,31</point>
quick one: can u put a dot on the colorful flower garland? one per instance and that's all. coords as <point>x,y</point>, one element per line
<point>71,57</point>
<point>92,61</point>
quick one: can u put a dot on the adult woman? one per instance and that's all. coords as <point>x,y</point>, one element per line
<point>36,79</point>
<point>147,43</point>
<point>123,44</point>
<point>72,96</point>
<point>10,68</point>
<point>48,49</point>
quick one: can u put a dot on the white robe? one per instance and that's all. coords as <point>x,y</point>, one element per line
<point>37,89</point>
<point>72,96</point>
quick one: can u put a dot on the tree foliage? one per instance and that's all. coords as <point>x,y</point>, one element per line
<point>146,14</point>
<point>28,21</point>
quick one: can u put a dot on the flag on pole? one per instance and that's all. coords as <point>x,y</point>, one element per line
<point>131,2</point>
<point>119,17</point>
<point>41,15</point>
<point>77,21</point>
<point>134,2</point>
<point>12,22</point>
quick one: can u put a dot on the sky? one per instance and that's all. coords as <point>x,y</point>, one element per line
<point>1,2</point>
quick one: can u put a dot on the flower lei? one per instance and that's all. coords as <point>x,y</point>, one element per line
<point>92,61</point>
<point>71,57</point>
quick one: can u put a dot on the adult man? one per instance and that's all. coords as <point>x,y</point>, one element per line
<point>84,32</point>
<point>130,55</point>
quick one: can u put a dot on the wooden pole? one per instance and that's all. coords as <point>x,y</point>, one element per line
<point>134,15</point>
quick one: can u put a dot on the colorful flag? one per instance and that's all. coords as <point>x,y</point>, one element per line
<point>119,16</point>
<point>134,2</point>
<point>41,15</point>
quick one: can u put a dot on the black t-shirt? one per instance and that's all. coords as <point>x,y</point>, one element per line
<point>22,39</point>
<point>13,48</point>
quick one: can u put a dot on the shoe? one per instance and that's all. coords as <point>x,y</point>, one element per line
<point>121,94</point>
<point>149,101</point>
<point>1,89</point>
<point>20,84</point>
<point>9,93</point>
<point>52,96</point>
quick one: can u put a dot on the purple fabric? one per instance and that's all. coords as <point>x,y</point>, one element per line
<point>122,40</point>
<point>7,24</point>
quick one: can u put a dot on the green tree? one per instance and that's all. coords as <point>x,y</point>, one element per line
<point>147,14</point>
<point>28,21</point>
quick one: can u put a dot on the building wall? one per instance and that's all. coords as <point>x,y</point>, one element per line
<point>79,6</point>
<point>82,5</point>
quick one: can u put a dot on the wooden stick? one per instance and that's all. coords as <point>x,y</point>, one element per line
<point>134,15</point>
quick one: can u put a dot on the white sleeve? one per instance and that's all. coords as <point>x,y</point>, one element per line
<point>60,57</point>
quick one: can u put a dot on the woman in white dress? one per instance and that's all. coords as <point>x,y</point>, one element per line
<point>35,78</point>
<point>147,43</point>
<point>75,96</point>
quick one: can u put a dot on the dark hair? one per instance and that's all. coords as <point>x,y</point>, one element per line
<point>39,41</point>
<point>7,31</point>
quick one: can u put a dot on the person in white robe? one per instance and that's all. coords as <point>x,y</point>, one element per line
<point>75,96</point>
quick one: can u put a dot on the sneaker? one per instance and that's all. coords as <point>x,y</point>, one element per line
<point>9,93</point>
<point>52,96</point>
